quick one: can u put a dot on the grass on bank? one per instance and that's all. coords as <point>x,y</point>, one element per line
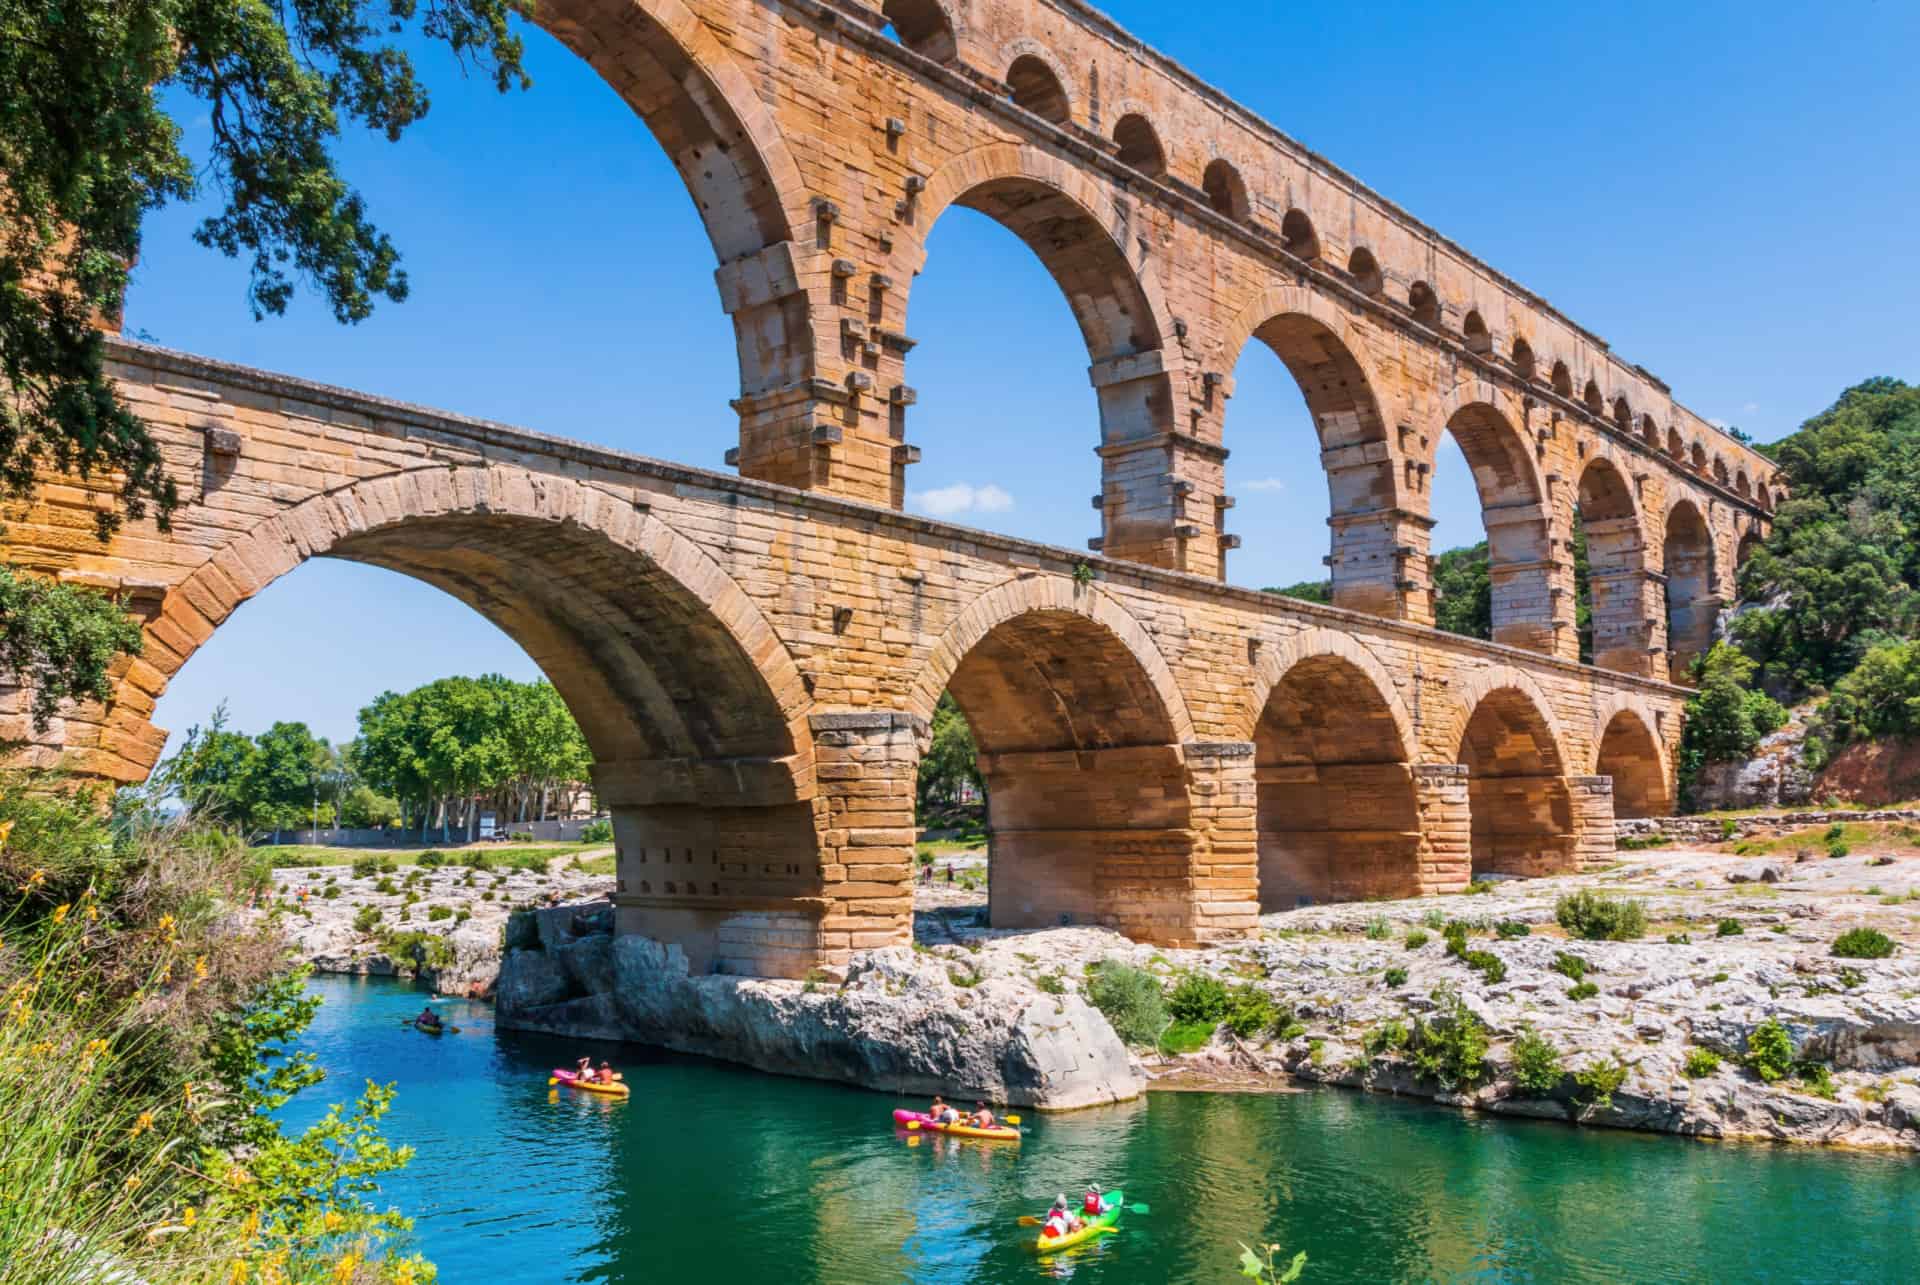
<point>514,856</point>
<point>1897,836</point>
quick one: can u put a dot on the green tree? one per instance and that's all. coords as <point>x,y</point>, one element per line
<point>58,641</point>
<point>89,145</point>
<point>1725,717</point>
<point>1463,592</point>
<point>951,758</point>
<point>1320,591</point>
<point>211,771</point>
<point>546,749</point>
<point>1880,697</point>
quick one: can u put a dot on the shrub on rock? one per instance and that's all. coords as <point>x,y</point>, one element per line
<point>1593,917</point>
<point>1862,943</point>
<point>1130,998</point>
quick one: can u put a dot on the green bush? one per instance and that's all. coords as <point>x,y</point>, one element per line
<point>1880,697</point>
<point>1187,1037</point>
<point>1250,1010</point>
<point>366,867</point>
<point>1588,915</point>
<point>1837,850</point>
<point>1599,1081</point>
<point>1378,929</point>
<point>1387,1037</point>
<point>1862,943</point>
<point>331,891</point>
<point>1510,929</point>
<point>417,947</point>
<point>462,917</point>
<point>1838,830</point>
<point>1536,1064</point>
<point>477,860</point>
<point>1725,718</point>
<point>1395,978</point>
<point>366,920</point>
<point>1679,939</point>
<point>1434,919</point>
<point>1051,983</point>
<point>1487,964</point>
<point>1416,938</point>
<point>1455,934</point>
<point>1450,1048</point>
<point>1701,1063</point>
<point>437,913</point>
<point>1130,998</point>
<point>386,886</point>
<point>1585,990</point>
<point>431,859</point>
<point>1479,887</point>
<point>1730,928</point>
<point>600,831</point>
<point>1816,1078</point>
<point>1198,997</point>
<point>1568,965</point>
<point>1770,1051</point>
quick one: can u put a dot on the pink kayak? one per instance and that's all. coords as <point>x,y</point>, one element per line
<point>1001,1133</point>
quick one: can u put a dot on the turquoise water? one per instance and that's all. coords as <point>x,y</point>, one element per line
<point>715,1174</point>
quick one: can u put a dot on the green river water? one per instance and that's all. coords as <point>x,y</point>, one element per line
<point>715,1174</point>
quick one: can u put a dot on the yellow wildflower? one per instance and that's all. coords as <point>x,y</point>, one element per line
<point>344,1269</point>
<point>189,1216</point>
<point>238,1276</point>
<point>37,878</point>
<point>239,1177</point>
<point>96,1047</point>
<point>403,1274</point>
<point>165,926</point>
<point>142,1124</point>
<point>331,1220</point>
<point>60,912</point>
<point>6,828</point>
<point>250,1228</point>
<point>93,913</point>
<point>133,1181</point>
<point>200,968</point>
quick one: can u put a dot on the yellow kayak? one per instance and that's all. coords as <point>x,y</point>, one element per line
<point>929,1125</point>
<point>617,1089</point>
<point>1093,1227</point>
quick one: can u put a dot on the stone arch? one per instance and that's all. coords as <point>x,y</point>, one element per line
<point>1622,415</point>
<point>1523,362</point>
<point>1742,486</point>
<point>703,109</point>
<point>924,26</point>
<point>1520,801</point>
<point>1474,332</point>
<point>1562,380</point>
<point>1650,431</point>
<point>1693,601</point>
<point>1676,446</point>
<point>1140,145</point>
<point>1036,84</point>
<point>1337,815</point>
<point>1226,191</point>
<point>1594,401</point>
<point>692,707</point>
<point>1513,510</point>
<point>1317,344</point>
<point>1616,562</point>
<point>1763,497</point>
<point>1720,474</point>
<point>1023,595</point>
<point>1423,301</point>
<point>1365,271</point>
<point>1081,733</point>
<point>1628,748</point>
<point>1699,459</point>
<point>1297,235</point>
<point>1276,660</point>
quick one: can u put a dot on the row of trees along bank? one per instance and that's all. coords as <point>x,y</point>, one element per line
<point>1829,603</point>
<point>435,756</point>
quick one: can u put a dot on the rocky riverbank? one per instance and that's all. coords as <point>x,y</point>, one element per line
<point>1654,1033</point>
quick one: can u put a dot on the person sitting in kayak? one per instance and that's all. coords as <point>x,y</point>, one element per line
<point>1094,1204</point>
<point>605,1073</point>
<point>1061,1220</point>
<point>938,1108</point>
<point>982,1116</point>
<point>427,1017</point>
<point>583,1069</point>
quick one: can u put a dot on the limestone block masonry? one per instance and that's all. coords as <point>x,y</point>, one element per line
<point>754,659</point>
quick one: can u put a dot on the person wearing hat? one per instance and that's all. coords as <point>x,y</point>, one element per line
<point>1061,1220</point>
<point>1094,1204</point>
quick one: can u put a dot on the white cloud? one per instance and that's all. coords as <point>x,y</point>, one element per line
<point>1265,484</point>
<point>961,497</point>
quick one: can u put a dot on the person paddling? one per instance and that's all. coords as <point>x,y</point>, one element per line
<point>1094,1204</point>
<point>427,1017</point>
<point>982,1116</point>
<point>1061,1220</point>
<point>605,1075</point>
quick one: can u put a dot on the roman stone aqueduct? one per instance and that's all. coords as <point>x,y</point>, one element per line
<point>754,658</point>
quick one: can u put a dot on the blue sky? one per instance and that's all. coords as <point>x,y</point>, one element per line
<point>1723,192</point>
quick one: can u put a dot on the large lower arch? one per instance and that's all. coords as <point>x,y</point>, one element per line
<point>1080,738</point>
<point>1520,800</point>
<point>1317,345</point>
<point>1628,749</point>
<point>1693,603</point>
<point>1337,816</point>
<point>694,711</point>
<point>1514,511</point>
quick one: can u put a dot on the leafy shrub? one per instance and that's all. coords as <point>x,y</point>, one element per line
<point>1816,1078</point>
<point>600,831</point>
<point>1588,915</point>
<point>1198,997</point>
<point>331,891</point>
<point>386,886</point>
<point>1770,1051</point>
<point>1585,990</point>
<point>477,860</point>
<point>1725,718</point>
<point>1569,965</point>
<point>1728,828</point>
<point>1395,978</point>
<point>1387,1037</point>
<point>1130,998</point>
<point>1838,830</point>
<point>431,859</point>
<point>1479,887</point>
<point>1536,1064</point>
<point>1450,1048</point>
<point>1051,983</point>
<point>1701,1063</point>
<point>1837,850</point>
<point>437,913</point>
<point>1288,1027</point>
<point>1434,919</point>
<point>1679,939</point>
<point>1456,937</point>
<point>1416,938</point>
<point>1509,929</point>
<point>1730,928</point>
<point>418,947</point>
<point>1378,929</point>
<point>1250,1010</point>
<point>1599,1080</point>
<point>1880,697</point>
<point>1487,964</point>
<point>1187,1037</point>
<point>367,919</point>
<point>1862,943</point>
<point>366,867</point>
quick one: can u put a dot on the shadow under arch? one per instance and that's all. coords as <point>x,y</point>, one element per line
<point>1316,344</point>
<point>694,711</point>
<point>1337,815</point>
<point>1693,602</point>
<point>1617,587</point>
<point>1518,795</point>
<point>1080,730</point>
<point>1628,749</point>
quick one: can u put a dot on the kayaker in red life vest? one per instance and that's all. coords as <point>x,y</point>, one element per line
<point>1093,1205</point>
<point>1060,1220</point>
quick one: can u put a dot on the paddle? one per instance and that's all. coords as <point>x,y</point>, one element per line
<point>1028,1220</point>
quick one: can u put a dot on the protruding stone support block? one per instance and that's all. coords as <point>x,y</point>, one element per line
<point>1594,839</point>
<point>1446,827</point>
<point>1380,563</point>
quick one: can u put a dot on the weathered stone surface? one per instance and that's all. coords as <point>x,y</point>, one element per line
<point>530,980</point>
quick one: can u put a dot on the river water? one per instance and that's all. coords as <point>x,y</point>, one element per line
<point>715,1174</point>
